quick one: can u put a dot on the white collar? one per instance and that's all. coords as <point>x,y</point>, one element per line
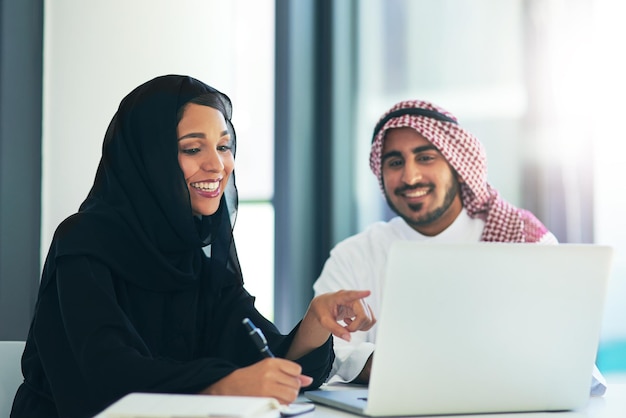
<point>463,229</point>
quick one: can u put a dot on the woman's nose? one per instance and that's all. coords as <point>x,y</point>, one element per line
<point>212,161</point>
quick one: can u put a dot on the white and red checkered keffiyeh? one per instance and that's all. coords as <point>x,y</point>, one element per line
<point>503,221</point>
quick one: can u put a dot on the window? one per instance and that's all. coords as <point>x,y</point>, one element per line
<point>538,72</point>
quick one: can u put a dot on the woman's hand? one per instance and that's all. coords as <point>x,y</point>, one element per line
<point>323,316</point>
<point>282,379</point>
<point>272,377</point>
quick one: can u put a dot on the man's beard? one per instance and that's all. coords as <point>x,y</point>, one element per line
<point>431,216</point>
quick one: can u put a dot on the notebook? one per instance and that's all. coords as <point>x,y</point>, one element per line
<point>166,405</point>
<point>483,328</point>
<point>169,405</point>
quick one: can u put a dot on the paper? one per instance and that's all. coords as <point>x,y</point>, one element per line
<point>159,405</point>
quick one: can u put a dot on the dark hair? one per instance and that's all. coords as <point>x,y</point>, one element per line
<point>215,100</point>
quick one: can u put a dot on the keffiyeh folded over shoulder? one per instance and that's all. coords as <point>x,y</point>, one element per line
<point>503,221</point>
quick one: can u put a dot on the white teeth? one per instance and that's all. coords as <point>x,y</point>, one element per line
<point>416,193</point>
<point>206,186</point>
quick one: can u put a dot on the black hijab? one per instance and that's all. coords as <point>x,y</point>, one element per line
<point>137,218</point>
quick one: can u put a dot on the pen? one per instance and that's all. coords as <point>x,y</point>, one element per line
<point>257,336</point>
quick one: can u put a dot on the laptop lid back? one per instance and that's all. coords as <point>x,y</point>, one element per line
<point>487,327</point>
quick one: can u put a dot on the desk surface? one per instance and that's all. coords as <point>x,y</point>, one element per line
<point>611,405</point>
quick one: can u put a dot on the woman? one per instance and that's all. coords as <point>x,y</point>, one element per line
<point>130,301</point>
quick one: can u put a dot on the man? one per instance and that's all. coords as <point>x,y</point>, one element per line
<point>433,174</point>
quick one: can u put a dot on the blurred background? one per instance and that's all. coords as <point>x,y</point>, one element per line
<point>539,82</point>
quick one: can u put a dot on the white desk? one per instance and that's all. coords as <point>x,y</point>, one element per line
<point>611,405</point>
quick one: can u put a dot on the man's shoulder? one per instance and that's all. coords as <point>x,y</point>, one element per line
<point>375,238</point>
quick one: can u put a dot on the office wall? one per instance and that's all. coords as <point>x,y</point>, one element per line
<point>95,52</point>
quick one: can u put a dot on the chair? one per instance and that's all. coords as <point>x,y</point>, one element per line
<point>10,373</point>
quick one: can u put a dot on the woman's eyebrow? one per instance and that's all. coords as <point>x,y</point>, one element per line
<point>201,135</point>
<point>192,135</point>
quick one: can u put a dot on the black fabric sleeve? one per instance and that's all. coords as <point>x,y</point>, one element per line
<point>102,356</point>
<point>93,354</point>
<point>316,364</point>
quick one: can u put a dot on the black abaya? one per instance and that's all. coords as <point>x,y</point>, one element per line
<point>129,301</point>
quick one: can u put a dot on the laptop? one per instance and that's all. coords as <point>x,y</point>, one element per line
<point>483,328</point>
